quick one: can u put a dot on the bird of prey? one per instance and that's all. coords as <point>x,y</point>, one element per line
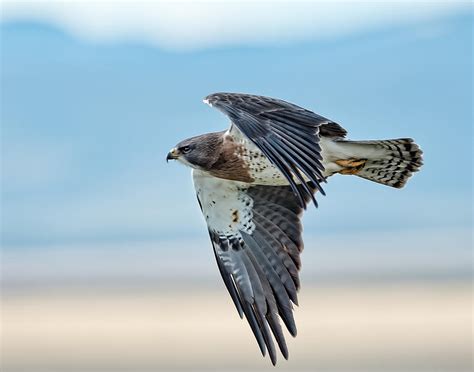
<point>254,180</point>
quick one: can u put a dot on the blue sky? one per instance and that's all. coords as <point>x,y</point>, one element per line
<point>87,123</point>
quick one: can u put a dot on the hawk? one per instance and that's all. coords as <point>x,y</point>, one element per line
<point>254,180</point>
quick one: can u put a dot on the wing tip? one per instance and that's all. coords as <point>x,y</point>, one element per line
<point>207,101</point>
<point>274,360</point>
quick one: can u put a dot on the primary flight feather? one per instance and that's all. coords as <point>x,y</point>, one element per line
<point>253,182</point>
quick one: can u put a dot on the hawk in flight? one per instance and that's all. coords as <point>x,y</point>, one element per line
<point>253,182</point>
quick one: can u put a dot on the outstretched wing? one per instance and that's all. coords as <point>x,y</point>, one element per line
<point>287,134</point>
<point>256,236</point>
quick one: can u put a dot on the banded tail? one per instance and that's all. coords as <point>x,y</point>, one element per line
<point>389,162</point>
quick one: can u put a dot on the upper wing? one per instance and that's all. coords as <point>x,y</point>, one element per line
<point>256,236</point>
<point>287,134</point>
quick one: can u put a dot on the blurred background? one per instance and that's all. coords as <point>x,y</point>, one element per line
<point>106,263</point>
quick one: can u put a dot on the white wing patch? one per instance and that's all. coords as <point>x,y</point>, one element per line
<point>238,136</point>
<point>225,205</point>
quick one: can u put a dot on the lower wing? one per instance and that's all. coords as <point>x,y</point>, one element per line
<point>256,236</point>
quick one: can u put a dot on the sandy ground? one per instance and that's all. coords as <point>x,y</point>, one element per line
<point>389,326</point>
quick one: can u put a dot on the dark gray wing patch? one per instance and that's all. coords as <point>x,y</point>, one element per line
<point>251,291</point>
<point>287,134</point>
<point>332,129</point>
<point>260,269</point>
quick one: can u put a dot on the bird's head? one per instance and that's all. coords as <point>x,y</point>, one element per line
<point>199,152</point>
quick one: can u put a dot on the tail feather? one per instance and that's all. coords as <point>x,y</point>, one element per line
<point>389,162</point>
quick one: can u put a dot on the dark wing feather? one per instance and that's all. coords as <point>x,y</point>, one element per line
<point>287,134</point>
<point>332,130</point>
<point>244,274</point>
<point>260,268</point>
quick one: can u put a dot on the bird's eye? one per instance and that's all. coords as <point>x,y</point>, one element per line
<point>185,149</point>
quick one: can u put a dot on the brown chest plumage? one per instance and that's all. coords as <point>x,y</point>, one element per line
<point>230,164</point>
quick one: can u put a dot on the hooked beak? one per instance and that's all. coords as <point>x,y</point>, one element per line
<point>172,155</point>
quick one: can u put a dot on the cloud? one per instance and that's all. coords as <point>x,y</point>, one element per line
<point>198,24</point>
